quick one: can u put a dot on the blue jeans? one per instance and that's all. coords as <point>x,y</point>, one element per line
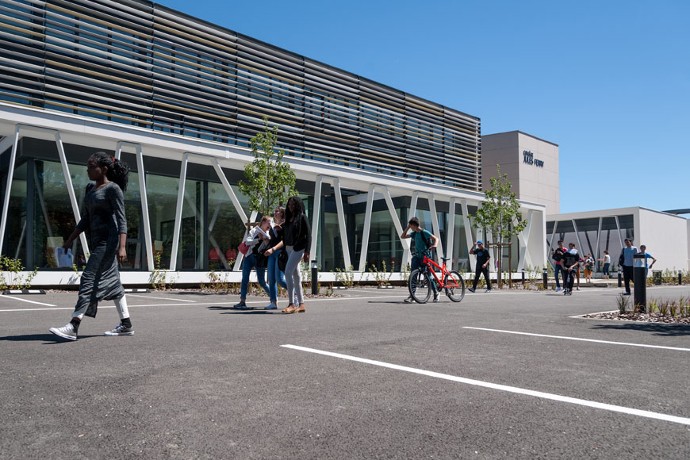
<point>556,269</point>
<point>275,276</point>
<point>247,265</point>
<point>416,263</point>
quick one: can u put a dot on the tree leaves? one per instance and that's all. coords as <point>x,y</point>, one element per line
<point>268,181</point>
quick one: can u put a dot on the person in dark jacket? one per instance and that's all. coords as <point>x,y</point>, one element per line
<point>103,219</point>
<point>483,258</point>
<point>297,243</point>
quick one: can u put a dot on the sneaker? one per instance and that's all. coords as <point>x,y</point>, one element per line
<point>120,329</point>
<point>436,299</point>
<point>271,306</point>
<point>487,291</point>
<point>626,293</point>
<point>240,306</point>
<point>470,289</point>
<point>67,332</point>
<point>409,300</point>
<point>558,289</point>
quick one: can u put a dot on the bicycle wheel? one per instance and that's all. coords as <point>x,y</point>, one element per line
<point>455,286</point>
<point>419,286</point>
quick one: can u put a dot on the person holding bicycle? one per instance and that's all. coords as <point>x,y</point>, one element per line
<point>483,258</point>
<point>424,243</point>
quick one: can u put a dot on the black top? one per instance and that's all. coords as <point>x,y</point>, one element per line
<point>558,254</point>
<point>276,233</point>
<point>297,233</point>
<point>483,256</point>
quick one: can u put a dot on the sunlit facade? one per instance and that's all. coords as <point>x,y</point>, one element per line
<point>178,99</point>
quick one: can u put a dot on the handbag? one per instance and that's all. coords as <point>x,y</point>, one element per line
<point>243,248</point>
<point>282,260</point>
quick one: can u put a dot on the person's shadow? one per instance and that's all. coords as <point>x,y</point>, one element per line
<point>49,338</point>
<point>248,311</point>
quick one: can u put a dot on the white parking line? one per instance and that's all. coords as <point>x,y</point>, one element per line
<point>161,298</point>
<point>195,304</point>
<point>509,389</point>
<point>26,300</point>
<point>608,342</point>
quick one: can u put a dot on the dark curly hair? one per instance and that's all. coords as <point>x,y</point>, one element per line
<point>118,171</point>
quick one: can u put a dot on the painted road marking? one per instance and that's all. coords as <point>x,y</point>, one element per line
<point>608,342</point>
<point>26,300</point>
<point>161,298</point>
<point>200,304</point>
<point>495,386</point>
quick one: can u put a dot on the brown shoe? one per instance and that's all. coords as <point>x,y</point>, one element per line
<point>289,309</point>
<point>301,309</point>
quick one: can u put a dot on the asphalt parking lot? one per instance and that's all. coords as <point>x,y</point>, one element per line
<point>362,375</point>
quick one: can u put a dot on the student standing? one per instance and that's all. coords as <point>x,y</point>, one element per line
<point>626,261</point>
<point>642,262</point>
<point>571,266</point>
<point>589,267</point>
<point>606,260</point>
<point>483,258</point>
<point>257,240</point>
<point>275,275</point>
<point>424,243</point>
<point>297,243</point>
<point>103,219</point>
<point>558,264</point>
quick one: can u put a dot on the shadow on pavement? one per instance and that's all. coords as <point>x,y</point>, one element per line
<point>668,330</point>
<point>41,338</point>
<point>249,311</point>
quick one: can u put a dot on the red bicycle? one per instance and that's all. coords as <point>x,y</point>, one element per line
<point>421,278</point>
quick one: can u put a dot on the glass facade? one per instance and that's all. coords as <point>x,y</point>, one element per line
<point>593,235</point>
<point>135,67</point>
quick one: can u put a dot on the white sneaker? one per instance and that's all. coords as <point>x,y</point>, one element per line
<point>120,329</point>
<point>271,306</point>
<point>558,289</point>
<point>409,300</point>
<point>67,332</point>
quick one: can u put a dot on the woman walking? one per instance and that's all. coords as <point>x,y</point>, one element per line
<point>103,219</point>
<point>257,240</point>
<point>297,242</point>
<point>276,276</point>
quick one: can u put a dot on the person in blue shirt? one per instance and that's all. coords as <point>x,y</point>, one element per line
<point>642,262</point>
<point>626,260</point>
<point>424,243</point>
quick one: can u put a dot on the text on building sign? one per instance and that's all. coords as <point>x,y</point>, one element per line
<point>528,157</point>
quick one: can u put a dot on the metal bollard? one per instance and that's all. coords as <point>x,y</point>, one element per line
<point>523,277</point>
<point>680,278</point>
<point>545,276</point>
<point>640,287</point>
<point>314,278</point>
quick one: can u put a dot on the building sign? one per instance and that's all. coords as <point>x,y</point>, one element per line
<point>528,157</point>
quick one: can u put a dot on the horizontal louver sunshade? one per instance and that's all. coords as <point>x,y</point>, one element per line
<point>138,63</point>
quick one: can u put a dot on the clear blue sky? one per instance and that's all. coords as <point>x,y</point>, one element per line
<point>608,81</point>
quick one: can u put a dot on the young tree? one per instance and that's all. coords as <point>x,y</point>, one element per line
<point>268,182</point>
<point>500,214</point>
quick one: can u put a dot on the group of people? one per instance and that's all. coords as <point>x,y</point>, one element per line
<point>567,262</point>
<point>632,257</point>
<point>104,222</point>
<point>278,245</point>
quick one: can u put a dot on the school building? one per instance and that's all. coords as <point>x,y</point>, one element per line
<point>179,99</point>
